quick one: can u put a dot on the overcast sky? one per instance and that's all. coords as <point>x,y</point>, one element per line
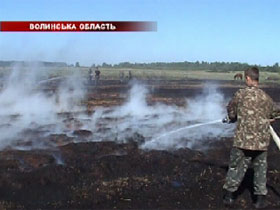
<point>188,30</point>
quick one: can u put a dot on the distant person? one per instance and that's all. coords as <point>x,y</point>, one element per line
<point>129,75</point>
<point>97,76</point>
<point>252,109</point>
<point>90,76</point>
<point>121,76</point>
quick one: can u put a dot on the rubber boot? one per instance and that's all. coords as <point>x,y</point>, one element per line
<point>228,198</point>
<point>260,202</point>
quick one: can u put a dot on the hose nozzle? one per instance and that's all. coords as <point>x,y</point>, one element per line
<point>226,120</point>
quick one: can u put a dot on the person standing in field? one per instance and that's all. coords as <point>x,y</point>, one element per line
<point>252,109</point>
<point>121,77</point>
<point>129,75</point>
<point>90,76</point>
<point>97,76</point>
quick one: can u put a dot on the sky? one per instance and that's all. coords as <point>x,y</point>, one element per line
<point>244,31</point>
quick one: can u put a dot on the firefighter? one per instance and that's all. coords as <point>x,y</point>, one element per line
<point>97,76</point>
<point>90,76</point>
<point>121,77</point>
<point>129,75</point>
<point>252,109</point>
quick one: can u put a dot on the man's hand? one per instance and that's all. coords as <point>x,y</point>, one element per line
<point>271,120</point>
<point>226,120</point>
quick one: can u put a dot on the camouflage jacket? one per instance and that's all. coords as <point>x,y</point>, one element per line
<point>252,108</point>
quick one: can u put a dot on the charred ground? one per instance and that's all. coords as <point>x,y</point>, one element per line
<point>107,175</point>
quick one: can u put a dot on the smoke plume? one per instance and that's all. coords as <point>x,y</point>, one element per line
<point>24,106</point>
<point>30,114</point>
<point>155,122</point>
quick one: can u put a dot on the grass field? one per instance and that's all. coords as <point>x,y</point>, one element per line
<point>111,73</point>
<point>181,74</point>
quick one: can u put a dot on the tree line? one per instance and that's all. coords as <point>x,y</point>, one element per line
<point>186,65</point>
<point>210,66</point>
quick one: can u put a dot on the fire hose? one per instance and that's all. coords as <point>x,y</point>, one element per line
<point>274,135</point>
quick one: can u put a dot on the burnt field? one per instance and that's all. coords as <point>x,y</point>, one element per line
<point>115,148</point>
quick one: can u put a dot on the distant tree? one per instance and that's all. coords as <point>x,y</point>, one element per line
<point>125,65</point>
<point>77,64</point>
<point>275,67</point>
<point>186,65</point>
<point>105,65</point>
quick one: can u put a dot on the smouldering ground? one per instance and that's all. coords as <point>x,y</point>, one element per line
<point>71,169</point>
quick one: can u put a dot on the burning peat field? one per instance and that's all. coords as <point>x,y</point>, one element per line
<point>66,144</point>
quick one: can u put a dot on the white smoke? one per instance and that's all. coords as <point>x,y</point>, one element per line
<point>153,122</point>
<point>24,106</point>
<point>70,93</point>
<point>136,105</point>
<point>210,105</point>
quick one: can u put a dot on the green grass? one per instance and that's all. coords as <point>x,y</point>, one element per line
<point>174,74</point>
<point>181,74</point>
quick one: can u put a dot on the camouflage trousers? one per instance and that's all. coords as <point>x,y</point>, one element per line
<point>239,163</point>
